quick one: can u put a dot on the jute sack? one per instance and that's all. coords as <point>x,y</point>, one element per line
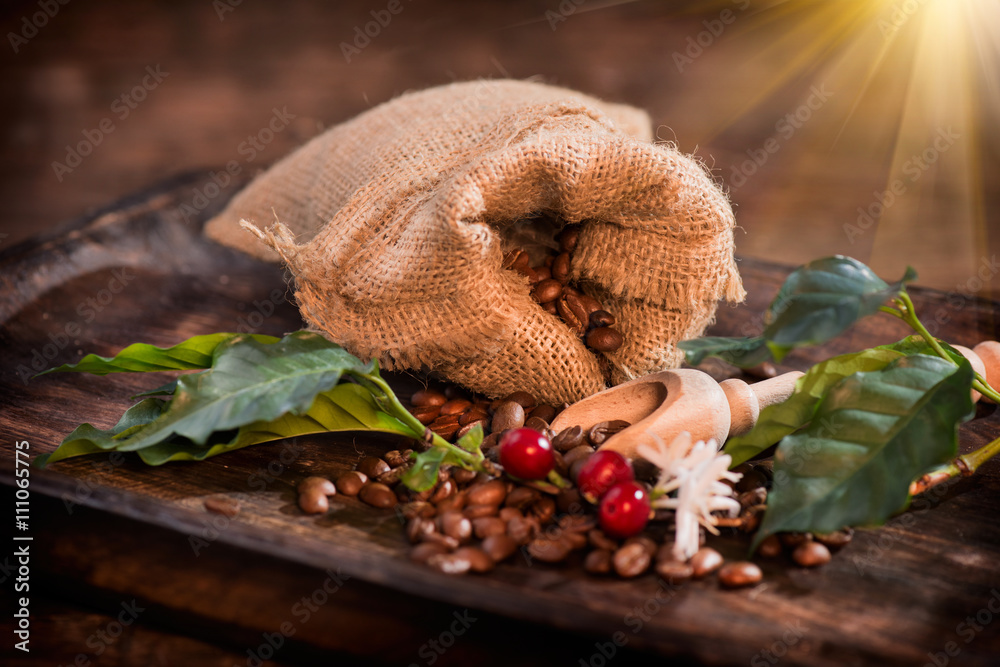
<point>394,225</point>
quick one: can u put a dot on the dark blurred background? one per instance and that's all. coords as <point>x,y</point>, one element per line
<point>864,127</point>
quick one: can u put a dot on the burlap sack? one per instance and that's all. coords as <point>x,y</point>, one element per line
<point>394,225</point>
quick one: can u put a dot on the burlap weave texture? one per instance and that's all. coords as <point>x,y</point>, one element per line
<point>394,225</point>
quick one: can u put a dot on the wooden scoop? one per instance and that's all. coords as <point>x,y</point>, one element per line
<point>665,404</point>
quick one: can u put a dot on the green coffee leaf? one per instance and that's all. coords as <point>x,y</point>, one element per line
<point>472,440</point>
<point>821,299</point>
<point>423,474</point>
<point>250,381</point>
<point>742,352</point>
<point>195,352</point>
<point>88,439</point>
<point>872,434</point>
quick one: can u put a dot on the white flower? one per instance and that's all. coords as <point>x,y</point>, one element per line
<point>696,473</point>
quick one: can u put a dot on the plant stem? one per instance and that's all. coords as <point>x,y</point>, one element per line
<point>910,317</point>
<point>964,465</point>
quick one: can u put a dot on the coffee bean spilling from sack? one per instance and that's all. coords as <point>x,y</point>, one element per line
<point>551,288</point>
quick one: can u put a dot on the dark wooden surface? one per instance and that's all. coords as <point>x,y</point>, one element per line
<point>107,531</point>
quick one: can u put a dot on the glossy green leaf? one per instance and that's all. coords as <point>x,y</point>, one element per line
<point>88,439</point>
<point>821,299</point>
<point>249,382</point>
<point>742,352</point>
<point>777,421</point>
<point>195,352</point>
<point>423,474</point>
<point>472,440</point>
<point>872,434</point>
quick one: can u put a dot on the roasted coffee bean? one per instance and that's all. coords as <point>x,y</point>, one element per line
<point>227,507</point>
<point>590,305</point>
<point>417,527</point>
<point>427,397</point>
<point>576,467</point>
<point>499,547</point>
<point>443,490</point>
<point>377,495</point>
<point>598,561</point>
<point>811,554</point>
<point>477,511</point>
<point>569,500</point>
<point>479,560</point>
<point>793,540</point>
<point>604,339</point>
<point>561,267</point>
<point>577,523</point>
<point>740,573</point>
<point>474,413</point>
<point>508,513</point>
<point>487,493</point>
<point>463,476</point>
<point>568,237</point>
<point>601,318</point>
<point>568,439</point>
<point>447,541</point>
<point>446,426</point>
<point>318,484</point>
<point>483,423</point>
<point>547,290</point>
<point>395,458</point>
<point>548,550</point>
<point>599,540</point>
<point>577,453</point>
<point>454,502</point>
<point>770,547</point>
<point>643,541</point>
<point>522,398</point>
<point>543,509</point>
<point>575,540</point>
<point>545,412</point>
<point>706,561</point>
<point>350,483</point>
<point>485,526</point>
<point>542,272</point>
<point>423,551</point>
<point>631,560</point>
<point>560,463</point>
<point>450,563</point>
<point>313,502</point>
<point>522,529</point>
<point>536,424</point>
<point>392,477</point>
<point>444,474</point>
<point>550,308</point>
<point>372,466</point>
<point>427,414</point>
<point>521,497</point>
<point>490,442</point>
<point>674,571</point>
<point>418,508</point>
<point>753,479</point>
<point>454,524</point>
<point>749,499</point>
<point>456,406</point>
<point>573,313</point>
<point>508,415</point>
<point>601,431</point>
<point>835,540</point>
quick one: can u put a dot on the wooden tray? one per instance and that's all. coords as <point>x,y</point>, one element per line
<point>108,529</point>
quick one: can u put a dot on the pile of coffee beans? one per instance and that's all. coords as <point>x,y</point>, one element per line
<point>551,288</point>
<point>470,522</point>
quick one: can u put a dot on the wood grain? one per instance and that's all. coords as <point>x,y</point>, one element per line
<point>107,528</point>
